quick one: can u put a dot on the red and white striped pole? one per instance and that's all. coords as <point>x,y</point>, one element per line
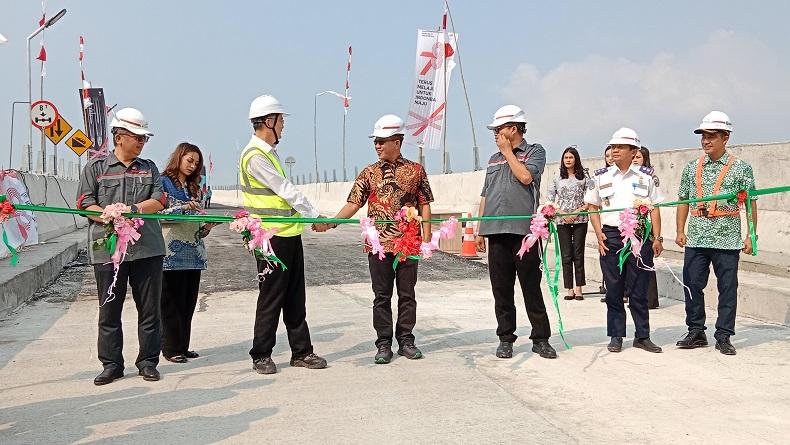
<point>345,111</point>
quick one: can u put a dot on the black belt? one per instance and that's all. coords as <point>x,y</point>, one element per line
<point>605,227</point>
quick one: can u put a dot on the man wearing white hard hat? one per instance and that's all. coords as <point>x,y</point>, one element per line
<point>386,186</point>
<point>714,231</point>
<point>619,187</point>
<point>124,177</point>
<point>268,193</point>
<point>512,187</point>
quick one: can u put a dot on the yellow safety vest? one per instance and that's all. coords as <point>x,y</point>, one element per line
<point>261,201</point>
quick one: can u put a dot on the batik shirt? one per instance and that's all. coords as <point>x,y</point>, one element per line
<point>388,186</point>
<point>720,232</point>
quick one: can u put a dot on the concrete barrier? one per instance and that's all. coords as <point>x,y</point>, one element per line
<point>55,192</point>
<point>460,192</point>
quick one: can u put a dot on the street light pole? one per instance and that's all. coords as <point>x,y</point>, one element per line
<point>46,25</point>
<point>11,145</point>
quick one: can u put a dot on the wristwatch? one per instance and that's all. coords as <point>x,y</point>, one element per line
<point>660,239</point>
<point>134,208</point>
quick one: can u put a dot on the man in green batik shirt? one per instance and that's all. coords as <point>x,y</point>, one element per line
<point>714,231</point>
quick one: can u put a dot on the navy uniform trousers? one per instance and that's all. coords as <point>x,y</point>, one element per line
<point>616,286</point>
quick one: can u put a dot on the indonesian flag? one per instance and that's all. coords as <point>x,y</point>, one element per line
<point>210,164</point>
<point>345,99</point>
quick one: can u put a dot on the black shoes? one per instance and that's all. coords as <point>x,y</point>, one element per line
<point>725,347</point>
<point>569,297</point>
<point>191,354</point>
<point>384,355</point>
<point>505,349</point>
<point>409,351</point>
<point>264,365</point>
<point>544,349</point>
<point>150,373</point>
<point>310,361</point>
<point>109,375</point>
<point>615,345</point>
<point>647,345</point>
<point>694,339</point>
<point>176,358</point>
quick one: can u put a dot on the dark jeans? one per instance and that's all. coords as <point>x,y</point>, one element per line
<point>282,290</point>
<point>145,278</point>
<point>696,269</point>
<point>179,298</point>
<point>571,237</point>
<point>382,278</point>
<point>616,284</point>
<point>503,266</point>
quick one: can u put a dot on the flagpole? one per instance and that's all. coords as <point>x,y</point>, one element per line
<point>444,66</point>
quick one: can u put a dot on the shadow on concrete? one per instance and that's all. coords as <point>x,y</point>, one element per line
<point>73,419</point>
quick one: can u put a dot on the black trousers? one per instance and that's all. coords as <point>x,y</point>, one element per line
<point>179,298</point>
<point>616,284</point>
<point>696,270</point>
<point>503,266</point>
<point>145,278</point>
<point>652,288</point>
<point>571,237</point>
<point>382,279</point>
<point>282,290</point>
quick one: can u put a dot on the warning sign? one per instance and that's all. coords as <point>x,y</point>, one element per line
<point>79,142</point>
<point>58,130</point>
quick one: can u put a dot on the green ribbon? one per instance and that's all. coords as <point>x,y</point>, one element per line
<point>228,218</point>
<point>112,240</point>
<point>750,221</point>
<point>554,283</point>
<point>625,251</point>
<point>14,254</point>
<point>410,257</point>
<point>270,258</point>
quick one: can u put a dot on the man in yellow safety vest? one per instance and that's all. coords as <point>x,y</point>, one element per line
<point>268,193</point>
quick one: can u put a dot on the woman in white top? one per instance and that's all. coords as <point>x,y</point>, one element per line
<point>567,190</point>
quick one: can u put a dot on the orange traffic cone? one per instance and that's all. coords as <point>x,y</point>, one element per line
<point>468,249</point>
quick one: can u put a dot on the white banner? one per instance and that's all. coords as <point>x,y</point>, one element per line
<point>435,62</point>
<point>21,229</point>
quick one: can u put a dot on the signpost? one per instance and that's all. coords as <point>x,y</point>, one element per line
<point>58,130</point>
<point>43,114</point>
<point>290,161</point>
<point>79,142</point>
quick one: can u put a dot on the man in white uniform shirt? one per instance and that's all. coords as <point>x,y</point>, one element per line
<point>617,187</point>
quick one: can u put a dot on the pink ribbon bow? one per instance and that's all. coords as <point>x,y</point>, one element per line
<point>371,237</point>
<point>627,226</point>
<point>446,231</point>
<point>539,229</point>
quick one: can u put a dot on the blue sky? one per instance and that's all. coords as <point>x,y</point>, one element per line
<point>580,69</point>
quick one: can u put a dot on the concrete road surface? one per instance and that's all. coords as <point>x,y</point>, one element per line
<point>459,393</point>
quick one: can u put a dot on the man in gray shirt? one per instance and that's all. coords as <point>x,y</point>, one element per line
<point>124,177</point>
<point>511,188</point>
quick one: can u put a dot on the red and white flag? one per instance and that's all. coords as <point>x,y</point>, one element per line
<point>435,62</point>
<point>42,54</point>
<point>348,75</point>
<point>86,100</point>
<point>210,165</point>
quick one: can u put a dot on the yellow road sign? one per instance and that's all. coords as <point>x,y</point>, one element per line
<point>79,142</point>
<point>58,130</point>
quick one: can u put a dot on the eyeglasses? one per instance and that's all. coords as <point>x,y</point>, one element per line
<point>502,127</point>
<point>142,138</point>
<point>383,141</point>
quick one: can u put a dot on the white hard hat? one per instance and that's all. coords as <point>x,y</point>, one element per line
<point>507,114</point>
<point>131,119</point>
<point>625,136</point>
<point>387,125</point>
<point>265,105</point>
<point>715,120</point>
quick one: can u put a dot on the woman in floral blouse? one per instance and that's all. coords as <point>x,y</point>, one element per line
<point>567,190</point>
<point>185,255</point>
